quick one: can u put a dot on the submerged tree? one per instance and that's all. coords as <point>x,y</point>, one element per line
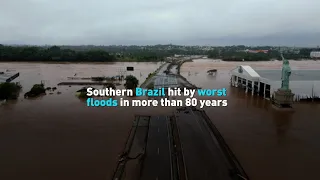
<point>9,90</point>
<point>150,85</point>
<point>131,82</point>
<point>36,90</point>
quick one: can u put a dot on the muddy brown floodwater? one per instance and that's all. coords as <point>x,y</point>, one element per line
<point>58,137</point>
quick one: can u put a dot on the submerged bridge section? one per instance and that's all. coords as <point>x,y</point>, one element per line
<point>148,152</point>
<point>206,155</point>
<point>183,146</point>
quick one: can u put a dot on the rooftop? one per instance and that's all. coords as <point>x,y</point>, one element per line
<point>251,71</point>
<point>8,77</point>
<point>296,75</point>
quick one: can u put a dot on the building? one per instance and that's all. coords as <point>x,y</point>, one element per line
<point>8,77</point>
<point>303,83</point>
<point>315,54</point>
<point>257,51</point>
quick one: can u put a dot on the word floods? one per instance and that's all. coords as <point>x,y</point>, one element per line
<point>159,97</point>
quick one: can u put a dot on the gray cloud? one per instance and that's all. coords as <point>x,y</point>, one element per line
<point>104,22</point>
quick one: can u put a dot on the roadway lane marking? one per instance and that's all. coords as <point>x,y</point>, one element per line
<point>169,145</point>
<point>158,151</point>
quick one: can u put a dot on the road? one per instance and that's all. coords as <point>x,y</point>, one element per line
<point>203,158</point>
<point>159,72</point>
<point>157,163</point>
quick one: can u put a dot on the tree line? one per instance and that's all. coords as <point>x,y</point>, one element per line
<point>55,53</point>
<point>240,55</point>
<point>90,53</point>
<point>139,53</point>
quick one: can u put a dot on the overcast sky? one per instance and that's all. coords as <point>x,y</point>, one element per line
<point>198,22</point>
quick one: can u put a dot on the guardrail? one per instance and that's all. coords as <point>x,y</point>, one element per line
<point>237,168</point>
<point>124,156</point>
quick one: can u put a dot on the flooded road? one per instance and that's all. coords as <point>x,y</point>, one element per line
<point>58,137</point>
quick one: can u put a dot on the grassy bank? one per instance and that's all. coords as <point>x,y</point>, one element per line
<point>151,75</point>
<point>181,63</point>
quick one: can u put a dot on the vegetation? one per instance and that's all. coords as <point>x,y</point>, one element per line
<point>143,53</point>
<point>131,82</point>
<point>150,75</point>
<point>89,54</point>
<point>150,85</point>
<point>106,78</point>
<point>238,53</point>
<point>98,78</point>
<point>181,63</point>
<point>82,93</point>
<point>110,85</point>
<point>9,90</point>
<point>36,90</point>
<point>54,53</point>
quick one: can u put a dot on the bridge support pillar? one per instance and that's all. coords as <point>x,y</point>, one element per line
<point>264,90</point>
<point>246,85</point>
<point>232,80</point>
<point>237,79</point>
<point>252,92</point>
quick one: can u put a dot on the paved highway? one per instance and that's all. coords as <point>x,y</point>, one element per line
<point>203,158</point>
<point>157,163</point>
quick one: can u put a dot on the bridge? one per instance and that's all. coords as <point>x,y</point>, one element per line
<point>182,146</point>
<point>165,81</point>
<point>165,77</point>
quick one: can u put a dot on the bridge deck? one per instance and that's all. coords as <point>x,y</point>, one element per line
<point>187,147</point>
<point>202,155</point>
<point>157,162</point>
<point>165,82</point>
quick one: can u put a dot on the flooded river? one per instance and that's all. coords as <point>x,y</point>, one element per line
<point>58,137</point>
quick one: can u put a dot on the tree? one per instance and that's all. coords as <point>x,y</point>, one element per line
<point>213,54</point>
<point>305,52</point>
<point>9,90</point>
<point>131,82</point>
<point>35,91</point>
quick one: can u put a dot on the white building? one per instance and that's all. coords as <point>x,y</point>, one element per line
<point>315,54</point>
<point>265,82</point>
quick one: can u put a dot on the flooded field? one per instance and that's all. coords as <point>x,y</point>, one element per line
<point>58,137</point>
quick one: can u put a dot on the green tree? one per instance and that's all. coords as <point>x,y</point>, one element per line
<point>9,90</point>
<point>305,52</point>
<point>213,54</point>
<point>131,82</point>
